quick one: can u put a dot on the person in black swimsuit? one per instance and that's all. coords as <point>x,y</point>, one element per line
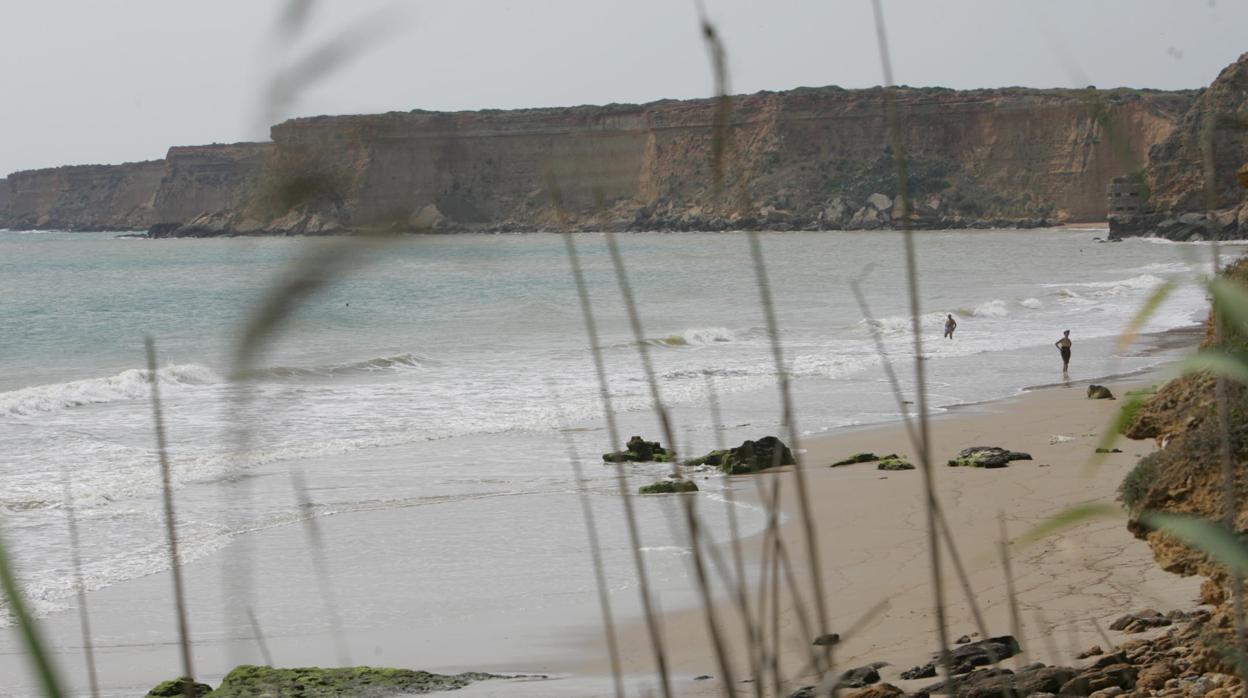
<point>950,326</point>
<point>1063,346</point>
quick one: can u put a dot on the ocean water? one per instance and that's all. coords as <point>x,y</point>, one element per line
<point>448,376</point>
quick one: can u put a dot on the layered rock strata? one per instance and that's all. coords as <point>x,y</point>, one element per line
<point>809,158</point>
<point>81,197</point>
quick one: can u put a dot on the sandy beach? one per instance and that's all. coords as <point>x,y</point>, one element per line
<point>872,544</point>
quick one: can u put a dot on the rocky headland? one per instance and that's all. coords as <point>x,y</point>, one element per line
<point>808,159</point>
<point>1209,145</point>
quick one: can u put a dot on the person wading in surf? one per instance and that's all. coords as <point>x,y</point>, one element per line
<point>1063,346</point>
<point>950,326</point>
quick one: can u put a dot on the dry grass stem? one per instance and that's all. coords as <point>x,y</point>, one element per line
<point>320,567</point>
<point>171,528</point>
<point>595,551</point>
<point>892,122</point>
<point>1016,620</point>
<point>259,637</point>
<point>613,434</point>
<point>75,551</point>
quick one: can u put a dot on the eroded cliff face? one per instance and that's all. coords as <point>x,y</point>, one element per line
<point>806,158</point>
<point>1176,171</point>
<point>1180,206</point>
<point>81,197</point>
<point>810,158</point>
<point>206,178</point>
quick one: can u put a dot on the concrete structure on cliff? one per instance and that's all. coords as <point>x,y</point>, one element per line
<point>1126,196</point>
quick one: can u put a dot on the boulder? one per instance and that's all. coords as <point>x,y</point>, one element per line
<point>1140,621</point>
<point>925,671</point>
<point>829,639</point>
<point>749,457</point>
<point>880,202</point>
<point>968,657</point>
<point>883,690</point>
<point>987,457</point>
<point>176,688</point>
<point>428,218</point>
<point>1031,681</point>
<point>859,458</point>
<point>1099,678</point>
<point>894,463</point>
<point>314,682</point>
<point>638,450</point>
<point>859,677</point>
<point>1099,392</point>
<point>669,486</point>
<point>835,212</point>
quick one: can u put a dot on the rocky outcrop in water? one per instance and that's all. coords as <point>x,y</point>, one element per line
<point>638,450</point>
<point>749,457</point>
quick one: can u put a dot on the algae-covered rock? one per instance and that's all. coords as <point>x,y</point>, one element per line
<point>638,450</point>
<point>176,688</point>
<point>669,486</point>
<point>249,681</point>
<point>894,463</point>
<point>749,457</point>
<point>1099,392</point>
<point>856,458</point>
<point>713,459</point>
<point>987,457</point>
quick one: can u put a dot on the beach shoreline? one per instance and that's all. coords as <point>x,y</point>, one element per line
<point>1068,583</point>
<point>886,546</point>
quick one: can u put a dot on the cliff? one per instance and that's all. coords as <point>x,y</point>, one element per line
<point>1180,206</point>
<point>810,158</point>
<point>205,178</point>
<point>81,197</point>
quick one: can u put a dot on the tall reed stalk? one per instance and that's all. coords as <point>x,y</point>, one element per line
<point>171,526</point>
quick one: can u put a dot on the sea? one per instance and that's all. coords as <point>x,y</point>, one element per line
<point>445,386</point>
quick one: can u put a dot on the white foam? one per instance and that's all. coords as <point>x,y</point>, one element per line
<point>1031,303</point>
<point>130,384</point>
<point>993,308</point>
<point>708,335</point>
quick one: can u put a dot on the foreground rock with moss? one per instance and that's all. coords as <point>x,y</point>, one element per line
<point>749,457</point>
<point>669,486</point>
<point>248,681</point>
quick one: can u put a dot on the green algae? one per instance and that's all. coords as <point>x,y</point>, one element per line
<point>668,487</point>
<point>249,681</point>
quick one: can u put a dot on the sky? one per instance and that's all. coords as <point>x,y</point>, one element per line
<point>106,81</point>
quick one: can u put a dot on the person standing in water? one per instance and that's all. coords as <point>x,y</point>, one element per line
<point>950,326</point>
<point>1063,346</point>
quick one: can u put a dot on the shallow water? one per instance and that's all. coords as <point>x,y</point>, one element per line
<point>441,378</point>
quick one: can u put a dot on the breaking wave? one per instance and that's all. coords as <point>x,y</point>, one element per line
<point>993,308</point>
<point>697,336</point>
<point>395,362</point>
<point>130,384</point>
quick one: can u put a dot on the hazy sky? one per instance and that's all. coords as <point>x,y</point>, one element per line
<point>118,80</point>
